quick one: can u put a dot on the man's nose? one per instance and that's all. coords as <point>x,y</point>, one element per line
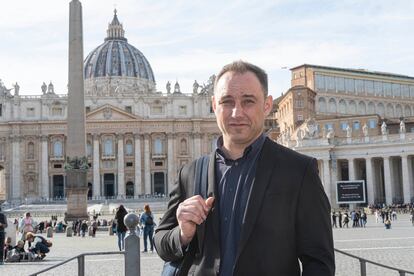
<point>237,110</point>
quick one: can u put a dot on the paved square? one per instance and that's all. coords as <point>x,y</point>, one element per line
<point>394,247</point>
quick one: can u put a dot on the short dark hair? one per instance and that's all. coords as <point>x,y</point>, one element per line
<point>241,67</point>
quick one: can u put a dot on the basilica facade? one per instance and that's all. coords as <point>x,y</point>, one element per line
<point>137,137</point>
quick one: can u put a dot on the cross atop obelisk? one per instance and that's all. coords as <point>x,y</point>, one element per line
<point>76,161</point>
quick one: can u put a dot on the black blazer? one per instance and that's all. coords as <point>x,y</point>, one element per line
<point>287,218</point>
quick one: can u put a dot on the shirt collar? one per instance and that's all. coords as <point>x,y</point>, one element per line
<point>248,151</point>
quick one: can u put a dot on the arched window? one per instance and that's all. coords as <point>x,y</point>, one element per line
<point>129,148</point>
<point>129,189</point>
<point>30,150</point>
<point>158,146</point>
<point>398,111</point>
<point>407,111</point>
<point>58,149</point>
<point>390,111</point>
<point>183,146</point>
<point>352,107</point>
<point>322,105</point>
<point>381,110</point>
<point>332,106</point>
<point>371,108</point>
<point>342,107</point>
<point>362,109</point>
<point>108,149</point>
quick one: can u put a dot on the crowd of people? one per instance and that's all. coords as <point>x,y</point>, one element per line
<point>30,245</point>
<point>383,214</point>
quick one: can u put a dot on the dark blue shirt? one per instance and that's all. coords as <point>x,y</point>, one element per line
<point>234,180</point>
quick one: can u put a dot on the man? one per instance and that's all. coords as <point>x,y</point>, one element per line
<point>265,205</point>
<point>3,226</point>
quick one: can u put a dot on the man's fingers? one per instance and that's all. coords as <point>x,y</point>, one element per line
<point>210,202</point>
<point>186,216</point>
<point>196,210</point>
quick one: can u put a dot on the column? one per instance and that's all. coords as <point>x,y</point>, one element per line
<point>16,189</point>
<point>327,179</point>
<point>96,167</point>
<point>351,169</point>
<point>197,145</point>
<point>171,163</point>
<point>407,178</point>
<point>121,178</point>
<point>387,181</point>
<point>370,180</point>
<point>147,159</point>
<point>44,180</point>
<point>137,162</point>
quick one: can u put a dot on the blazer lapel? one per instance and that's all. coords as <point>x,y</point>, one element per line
<point>211,191</point>
<point>262,180</point>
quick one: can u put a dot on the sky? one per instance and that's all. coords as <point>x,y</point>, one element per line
<point>191,40</point>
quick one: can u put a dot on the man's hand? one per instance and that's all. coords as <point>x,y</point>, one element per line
<point>192,212</point>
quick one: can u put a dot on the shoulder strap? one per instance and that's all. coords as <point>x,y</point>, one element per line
<point>201,176</point>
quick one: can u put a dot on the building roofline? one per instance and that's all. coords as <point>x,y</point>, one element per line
<point>350,70</point>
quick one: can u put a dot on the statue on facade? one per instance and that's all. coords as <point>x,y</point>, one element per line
<point>16,89</point>
<point>402,126</point>
<point>365,130</point>
<point>168,87</point>
<point>195,87</point>
<point>177,87</point>
<point>50,88</point>
<point>384,128</point>
<point>209,87</point>
<point>330,134</point>
<point>44,88</point>
<point>348,132</point>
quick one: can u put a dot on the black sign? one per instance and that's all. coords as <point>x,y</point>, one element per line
<point>350,191</point>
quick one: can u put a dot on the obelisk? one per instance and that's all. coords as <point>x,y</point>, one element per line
<point>76,165</point>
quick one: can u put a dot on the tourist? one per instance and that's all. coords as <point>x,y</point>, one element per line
<point>334,216</point>
<point>40,245</point>
<point>120,226</point>
<point>147,221</point>
<point>340,219</point>
<point>253,182</point>
<point>26,225</point>
<point>3,226</point>
<point>84,228</point>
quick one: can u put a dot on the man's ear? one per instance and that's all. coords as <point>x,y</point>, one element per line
<point>268,105</point>
<point>213,102</point>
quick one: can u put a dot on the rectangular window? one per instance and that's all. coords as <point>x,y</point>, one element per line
<point>128,109</point>
<point>87,109</point>
<point>340,84</point>
<point>359,86</point>
<point>158,164</point>
<point>328,126</point>
<point>57,111</point>
<point>30,112</point>
<point>320,82</point>
<point>387,89</point>
<point>356,125</point>
<point>405,91</point>
<point>378,88</point>
<point>57,166</point>
<point>372,123</point>
<point>156,110</point>
<point>129,164</point>
<point>330,83</point>
<point>300,117</point>
<point>344,125</point>
<point>369,86</point>
<point>350,85</point>
<point>182,110</point>
<point>396,90</point>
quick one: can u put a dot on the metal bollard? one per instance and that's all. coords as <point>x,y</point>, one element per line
<point>402,273</point>
<point>81,265</point>
<point>363,267</point>
<point>132,257</point>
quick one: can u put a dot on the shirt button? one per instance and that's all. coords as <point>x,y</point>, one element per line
<point>225,219</point>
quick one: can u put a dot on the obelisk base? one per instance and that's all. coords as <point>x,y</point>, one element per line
<point>77,204</point>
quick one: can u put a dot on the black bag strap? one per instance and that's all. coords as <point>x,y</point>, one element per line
<point>201,176</point>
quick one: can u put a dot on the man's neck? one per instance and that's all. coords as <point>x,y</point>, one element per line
<point>235,151</point>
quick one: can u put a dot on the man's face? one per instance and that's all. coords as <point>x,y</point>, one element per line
<point>240,107</point>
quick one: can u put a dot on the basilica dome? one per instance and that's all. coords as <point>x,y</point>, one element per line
<point>117,58</point>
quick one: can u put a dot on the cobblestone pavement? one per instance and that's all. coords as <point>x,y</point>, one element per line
<point>394,247</point>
